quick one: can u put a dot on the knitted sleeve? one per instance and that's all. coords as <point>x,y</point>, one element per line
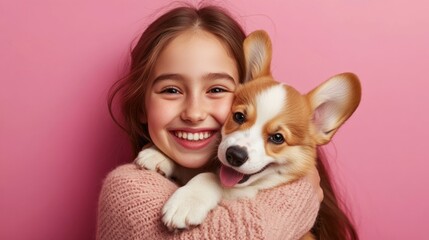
<point>131,200</point>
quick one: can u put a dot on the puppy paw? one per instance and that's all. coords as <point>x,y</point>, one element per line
<point>153,159</point>
<point>186,208</point>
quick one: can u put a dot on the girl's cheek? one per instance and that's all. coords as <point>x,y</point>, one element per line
<point>222,110</point>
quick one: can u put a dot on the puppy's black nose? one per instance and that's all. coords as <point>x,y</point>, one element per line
<point>236,155</point>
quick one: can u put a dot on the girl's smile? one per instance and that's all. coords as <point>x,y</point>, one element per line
<point>194,138</point>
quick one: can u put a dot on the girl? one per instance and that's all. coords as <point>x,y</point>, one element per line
<point>184,70</point>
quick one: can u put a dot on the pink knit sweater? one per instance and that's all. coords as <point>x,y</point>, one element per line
<point>131,200</point>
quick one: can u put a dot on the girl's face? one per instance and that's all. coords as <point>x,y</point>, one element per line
<point>192,92</point>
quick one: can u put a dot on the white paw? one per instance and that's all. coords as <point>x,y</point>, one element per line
<point>152,159</point>
<point>186,208</point>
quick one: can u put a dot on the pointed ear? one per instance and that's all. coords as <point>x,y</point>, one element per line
<point>332,103</point>
<point>257,54</point>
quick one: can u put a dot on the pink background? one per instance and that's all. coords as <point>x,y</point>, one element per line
<point>57,141</point>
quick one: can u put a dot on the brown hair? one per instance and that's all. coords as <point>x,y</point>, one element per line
<point>332,222</point>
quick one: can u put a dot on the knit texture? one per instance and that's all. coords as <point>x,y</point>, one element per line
<point>131,200</point>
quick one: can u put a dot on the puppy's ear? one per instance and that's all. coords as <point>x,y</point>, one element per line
<point>332,103</point>
<point>257,53</point>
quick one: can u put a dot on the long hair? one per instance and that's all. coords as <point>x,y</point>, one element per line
<point>132,89</point>
<point>332,222</point>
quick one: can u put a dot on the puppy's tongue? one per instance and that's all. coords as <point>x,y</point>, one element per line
<point>229,177</point>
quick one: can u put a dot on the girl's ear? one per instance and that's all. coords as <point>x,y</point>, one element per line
<point>332,103</point>
<point>257,54</point>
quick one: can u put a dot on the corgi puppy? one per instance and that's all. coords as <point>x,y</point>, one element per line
<point>269,138</point>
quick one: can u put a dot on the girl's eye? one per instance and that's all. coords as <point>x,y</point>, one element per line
<point>276,138</point>
<point>170,90</point>
<point>217,90</point>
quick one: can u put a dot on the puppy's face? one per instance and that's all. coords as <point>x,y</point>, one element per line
<point>272,128</point>
<point>266,131</point>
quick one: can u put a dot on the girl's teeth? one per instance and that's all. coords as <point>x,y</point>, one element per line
<point>193,136</point>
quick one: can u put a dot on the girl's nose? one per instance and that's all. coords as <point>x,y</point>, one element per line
<point>194,111</point>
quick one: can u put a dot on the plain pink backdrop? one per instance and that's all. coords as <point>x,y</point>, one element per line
<point>57,141</point>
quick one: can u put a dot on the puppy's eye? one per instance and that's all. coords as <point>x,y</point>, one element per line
<point>239,117</point>
<point>276,138</point>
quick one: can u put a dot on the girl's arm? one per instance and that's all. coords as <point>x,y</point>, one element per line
<point>131,200</point>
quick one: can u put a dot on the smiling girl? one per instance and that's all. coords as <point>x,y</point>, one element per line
<point>184,70</point>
